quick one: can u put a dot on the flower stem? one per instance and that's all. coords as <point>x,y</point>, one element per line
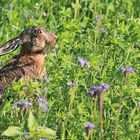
<point>100,105</point>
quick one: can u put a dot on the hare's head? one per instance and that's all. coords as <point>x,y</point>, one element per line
<point>32,40</point>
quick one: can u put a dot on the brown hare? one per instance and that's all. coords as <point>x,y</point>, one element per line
<point>29,64</point>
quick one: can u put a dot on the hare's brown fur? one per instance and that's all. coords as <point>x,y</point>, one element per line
<point>29,64</point>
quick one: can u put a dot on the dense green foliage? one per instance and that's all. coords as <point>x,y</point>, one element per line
<point>104,32</point>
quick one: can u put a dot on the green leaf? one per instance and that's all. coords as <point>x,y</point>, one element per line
<point>46,132</point>
<point>12,131</point>
<point>26,1</point>
<point>32,124</point>
<point>138,90</point>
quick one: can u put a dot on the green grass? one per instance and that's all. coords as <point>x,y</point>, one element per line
<point>107,34</point>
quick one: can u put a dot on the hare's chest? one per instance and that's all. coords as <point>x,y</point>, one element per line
<point>33,68</point>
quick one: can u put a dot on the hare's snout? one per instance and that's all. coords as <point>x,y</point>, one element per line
<point>53,39</point>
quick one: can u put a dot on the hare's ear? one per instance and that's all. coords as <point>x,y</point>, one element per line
<point>10,46</point>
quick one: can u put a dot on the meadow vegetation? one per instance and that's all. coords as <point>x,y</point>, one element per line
<point>97,58</point>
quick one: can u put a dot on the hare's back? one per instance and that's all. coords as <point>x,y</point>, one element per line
<point>27,67</point>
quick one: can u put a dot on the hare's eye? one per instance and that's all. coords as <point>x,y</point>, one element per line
<point>38,32</point>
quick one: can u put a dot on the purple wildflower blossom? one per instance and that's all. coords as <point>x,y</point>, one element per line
<point>31,16</point>
<point>89,126</point>
<point>26,104</point>
<point>93,91</point>
<point>46,109</point>
<point>104,30</point>
<point>128,70</point>
<point>43,139</point>
<point>83,62</point>
<point>98,17</point>
<point>105,86</point>
<point>22,103</point>
<point>42,102</point>
<point>72,84</point>
<point>11,6</point>
<point>46,78</point>
<point>98,89</point>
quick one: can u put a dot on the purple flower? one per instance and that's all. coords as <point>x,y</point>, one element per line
<point>105,86</point>
<point>46,109</point>
<point>98,17</point>
<point>127,70</point>
<point>94,90</point>
<point>46,78</point>
<point>98,89</point>
<point>104,30</point>
<point>31,16</point>
<point>11,6</point>
<point>22,103</point>
<point>72,84</point>
<point>89,126</point>
<point>43,139</point>
<point>42,102</point>
<point>83,62</point>
<point>26,104</point>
